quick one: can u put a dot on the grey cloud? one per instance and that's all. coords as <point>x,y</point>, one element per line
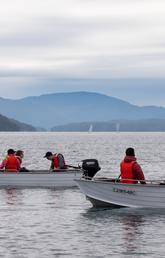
<point>98,66</point>
<point>98,46</point>
<point>26,72</point>
<point>44,32</point>
<point>53,31</point>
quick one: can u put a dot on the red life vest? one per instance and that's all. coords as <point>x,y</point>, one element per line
<point>11,164</point>
<point>56,163</point>
<point>126,169</point>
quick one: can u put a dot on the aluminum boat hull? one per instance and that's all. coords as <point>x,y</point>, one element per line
<point>113,194</point>
<point>40,178</point>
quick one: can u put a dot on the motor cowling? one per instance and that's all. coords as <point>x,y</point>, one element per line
<point>90,168</point>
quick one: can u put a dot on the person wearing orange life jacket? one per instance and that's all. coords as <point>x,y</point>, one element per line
<point>57,160</point>
<point>130,170</point>
<point>10,163</point>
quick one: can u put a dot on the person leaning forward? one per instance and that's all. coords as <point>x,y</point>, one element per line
<point>57,160</point>
<point>130,170</point>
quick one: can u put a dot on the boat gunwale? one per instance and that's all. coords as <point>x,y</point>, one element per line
<point>149,183</point>
<point>43,172</point>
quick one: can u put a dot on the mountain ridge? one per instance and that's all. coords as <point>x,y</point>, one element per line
<point>48,110</point>
<point>8,124</point>
<point>149,125</point>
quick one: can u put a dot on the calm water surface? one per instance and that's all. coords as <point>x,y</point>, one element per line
<point>49,223</point>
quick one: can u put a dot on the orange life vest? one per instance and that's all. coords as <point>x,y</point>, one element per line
<point>11,164</point>
<point>126,169</point>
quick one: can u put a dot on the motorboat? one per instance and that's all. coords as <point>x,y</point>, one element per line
<point>62,178</point>
<point>41,178</point>
<point>111,192</point>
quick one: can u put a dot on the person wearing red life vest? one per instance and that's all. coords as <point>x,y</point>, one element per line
<point>57,160</point>
<point>10,163</point>
<point>130,170</point>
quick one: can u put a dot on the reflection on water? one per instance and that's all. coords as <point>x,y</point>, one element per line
<point>35,217</point>
<point>11,196</point>
<point>131,230</point>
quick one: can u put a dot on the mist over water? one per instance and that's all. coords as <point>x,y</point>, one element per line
<point>45,222</point>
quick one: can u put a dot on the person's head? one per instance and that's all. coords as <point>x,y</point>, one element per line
<point>10,152</point>
<point>19,153</point>
<point>49,155</point>
<point>130,152</point>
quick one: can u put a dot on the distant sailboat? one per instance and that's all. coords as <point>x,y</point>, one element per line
<point>117,127</point>
<point>90,128</point>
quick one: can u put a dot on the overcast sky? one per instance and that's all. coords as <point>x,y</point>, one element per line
<point>115,47</point>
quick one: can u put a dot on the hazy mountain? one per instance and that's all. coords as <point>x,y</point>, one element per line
<point>148,125</point>
<point>54,109</point>
<point>7,124</point>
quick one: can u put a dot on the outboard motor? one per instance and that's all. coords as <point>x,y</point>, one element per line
<point>90,168</point>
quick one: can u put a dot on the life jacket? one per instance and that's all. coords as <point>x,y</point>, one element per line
<point>58,161</point>
<point>126,169</point>
<point>11,163</point>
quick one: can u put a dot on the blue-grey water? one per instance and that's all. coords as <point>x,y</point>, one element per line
<point>49,223</point>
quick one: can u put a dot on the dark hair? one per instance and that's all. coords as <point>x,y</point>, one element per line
<point>48,154</point>
<point>19,153</point>
<point>130,152</point>
<point>10,151</point>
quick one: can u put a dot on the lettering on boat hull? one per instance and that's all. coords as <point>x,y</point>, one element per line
<point>117,190</point>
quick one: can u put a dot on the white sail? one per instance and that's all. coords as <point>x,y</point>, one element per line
<point>90,128</point>
<point>117,127</point>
